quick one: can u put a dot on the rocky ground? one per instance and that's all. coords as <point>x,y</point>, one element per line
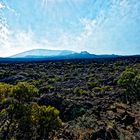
<point>92,106</point>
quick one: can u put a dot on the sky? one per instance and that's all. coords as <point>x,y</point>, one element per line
<point>96,26</point>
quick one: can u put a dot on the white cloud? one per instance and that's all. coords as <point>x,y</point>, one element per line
<point>7,7</point>
<point>21,41</point>
<point>113,30</point>
<point>2,6</point>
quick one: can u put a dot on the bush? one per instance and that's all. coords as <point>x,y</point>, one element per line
<point>92,85</point>
<point>106,88</point>
<point>97,89</point>
<point>24,92</point>
<point>5,90</point>
<point>21,118</point>
<point>79,91</point>
<point>130,81</point>
<point>44,119</point>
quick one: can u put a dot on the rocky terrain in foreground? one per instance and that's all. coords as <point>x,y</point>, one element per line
<point>92,105</point>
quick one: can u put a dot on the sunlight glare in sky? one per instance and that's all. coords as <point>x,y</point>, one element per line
<point>97,26</point>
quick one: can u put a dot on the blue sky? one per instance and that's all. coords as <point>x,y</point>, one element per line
<point>97,26</point>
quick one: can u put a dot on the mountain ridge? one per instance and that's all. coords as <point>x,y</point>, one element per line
<point>42,53</point>
<point>58,55</point>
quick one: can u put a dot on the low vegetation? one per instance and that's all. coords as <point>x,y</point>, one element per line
<point>21,118</point>
<point>70,100</point>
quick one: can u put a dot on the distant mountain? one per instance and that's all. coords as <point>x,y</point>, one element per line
<point>41,53</point>
<point>86,55</point>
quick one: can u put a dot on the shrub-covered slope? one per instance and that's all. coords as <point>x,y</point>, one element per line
<point>95,98</point>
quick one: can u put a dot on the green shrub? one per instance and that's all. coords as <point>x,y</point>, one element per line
<point>50,88</point>
<point>97,89</point>
<point>106,88</point>
<point>5,90</point>
<point>130,80</point>
<point>21,118</point>
<point>92,85</point>
<point>78,90</point>
<point>44,119</point>
<point>24,92</point>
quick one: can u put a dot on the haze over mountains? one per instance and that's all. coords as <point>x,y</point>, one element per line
<point>57,54</point>
<point>39,53</point>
